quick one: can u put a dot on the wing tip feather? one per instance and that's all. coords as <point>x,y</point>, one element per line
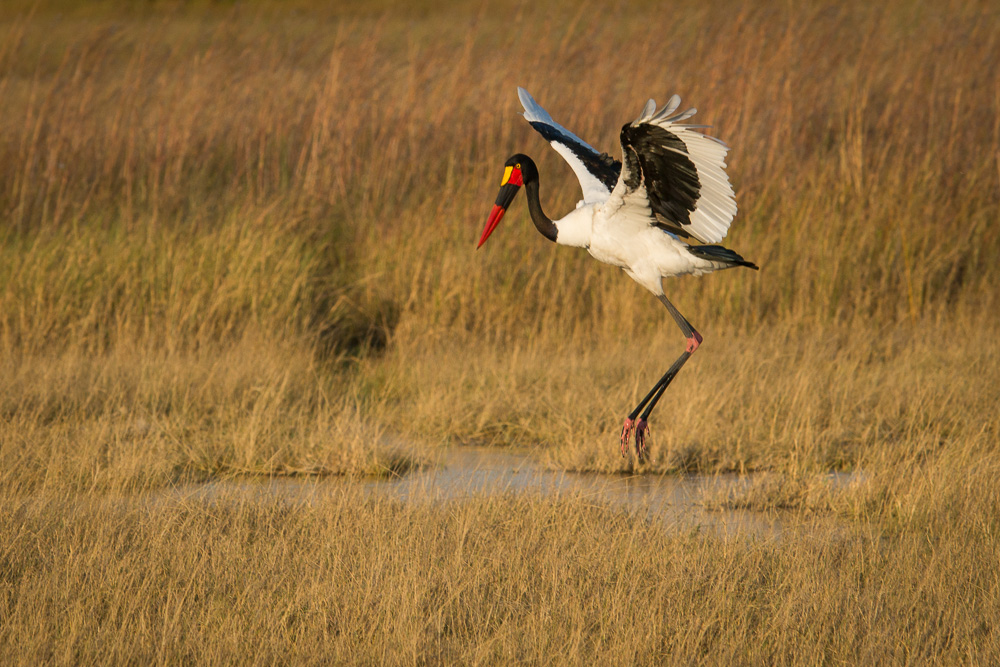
<point>533,111</point>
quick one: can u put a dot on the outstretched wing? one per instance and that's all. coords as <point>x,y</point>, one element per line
<point>597,172</point>
<point>675,174</point>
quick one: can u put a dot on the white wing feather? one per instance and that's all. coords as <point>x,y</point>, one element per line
<point>716,205</point>
<point>568,146</point>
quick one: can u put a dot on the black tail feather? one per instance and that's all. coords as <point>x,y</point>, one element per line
<point>716,253</point>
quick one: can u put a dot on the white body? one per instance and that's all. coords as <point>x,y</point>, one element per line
<point>647,254</point>
<point>617,225</point>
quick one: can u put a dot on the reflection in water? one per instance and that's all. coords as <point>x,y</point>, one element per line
<point>675,500</point>
<point>462,472</point>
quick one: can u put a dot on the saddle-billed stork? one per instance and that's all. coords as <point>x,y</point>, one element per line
<point>671,183</point>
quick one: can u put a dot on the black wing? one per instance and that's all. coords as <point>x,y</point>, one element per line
<point>601,165</point>
<point>597,172</point>
<point>677,173</point>
<point>657,161</point>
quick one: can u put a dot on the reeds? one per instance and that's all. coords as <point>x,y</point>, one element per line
<point>337,578</point>
<point>176,180</point>
<point>240,241</point>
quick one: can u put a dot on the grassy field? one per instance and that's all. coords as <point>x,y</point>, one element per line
<point>238,240</point>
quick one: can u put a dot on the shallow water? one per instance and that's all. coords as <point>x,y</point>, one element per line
<point>676,500</point>
<point>462,472</point>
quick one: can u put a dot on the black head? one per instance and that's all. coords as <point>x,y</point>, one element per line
<point>525,165</point>
<point>518,170</point>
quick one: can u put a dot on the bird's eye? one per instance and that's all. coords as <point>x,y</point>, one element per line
<point>517,166</point>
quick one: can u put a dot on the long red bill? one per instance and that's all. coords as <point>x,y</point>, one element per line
<point>495,215</point>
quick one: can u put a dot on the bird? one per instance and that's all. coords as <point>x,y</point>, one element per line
<point>657,213</point>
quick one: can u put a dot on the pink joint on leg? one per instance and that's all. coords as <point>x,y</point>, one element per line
<point>694,341</point>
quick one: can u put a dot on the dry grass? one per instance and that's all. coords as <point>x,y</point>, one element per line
<point>775,398</point>
<point>129,420</point>
<point>239,240</point>
<point>342,579</point>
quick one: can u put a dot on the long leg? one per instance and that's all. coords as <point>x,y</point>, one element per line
<point>653,397</point>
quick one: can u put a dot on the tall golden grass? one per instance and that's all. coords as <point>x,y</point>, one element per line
<point>240,240</point>
<point>175,180</point>
<point>490,581</point>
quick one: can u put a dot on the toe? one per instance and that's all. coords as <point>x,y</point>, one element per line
<point>626,434</point>
<point>641,433</point>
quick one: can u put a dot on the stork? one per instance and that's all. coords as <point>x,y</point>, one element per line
<point>670,185</point>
